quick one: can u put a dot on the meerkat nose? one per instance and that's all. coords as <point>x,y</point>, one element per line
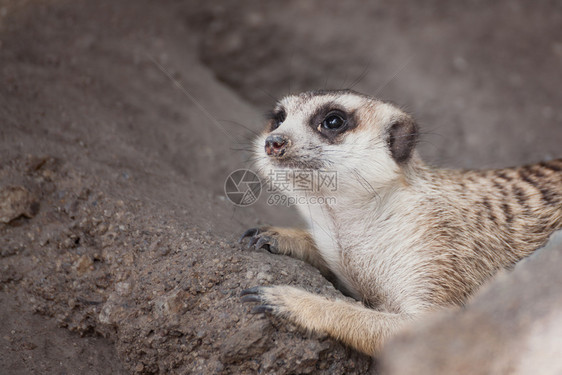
<point>276,145</point>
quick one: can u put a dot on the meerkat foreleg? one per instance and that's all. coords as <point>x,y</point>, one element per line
<point>357,326</point>
<point>287,241</point>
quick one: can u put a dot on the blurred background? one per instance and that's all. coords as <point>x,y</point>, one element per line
<point>483,79</point>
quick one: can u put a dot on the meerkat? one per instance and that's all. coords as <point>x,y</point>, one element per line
<point>402,237</point>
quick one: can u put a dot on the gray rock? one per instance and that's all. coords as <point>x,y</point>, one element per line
<point>248,342</point>
<point>15,202</point>
<point>513,326</point>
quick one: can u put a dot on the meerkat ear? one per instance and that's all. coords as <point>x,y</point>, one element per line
<point>402,139</point>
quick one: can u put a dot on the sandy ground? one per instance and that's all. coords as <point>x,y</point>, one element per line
<point>124,258</point>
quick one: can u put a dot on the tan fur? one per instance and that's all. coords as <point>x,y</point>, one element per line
<point>296,243</point>
<point>403,238</point>
<point>361,328</point>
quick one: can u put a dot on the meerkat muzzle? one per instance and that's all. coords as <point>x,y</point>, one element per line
<point>276,145</point>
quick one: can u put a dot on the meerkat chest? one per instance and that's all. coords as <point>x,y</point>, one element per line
<point>374,257</point>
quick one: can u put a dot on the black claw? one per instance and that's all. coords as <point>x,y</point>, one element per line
<point>252,298</point>
<point>263,241</point>
<point>262,309</point>
<point>254,295</point>
<point>253,241</point>
<point>249,233</point>
<point>253,290</point>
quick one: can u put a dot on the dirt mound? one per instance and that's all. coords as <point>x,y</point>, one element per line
<point>166,293</point>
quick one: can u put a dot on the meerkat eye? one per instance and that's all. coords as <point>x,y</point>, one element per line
<point>333,121</point>
<point>277,119</point>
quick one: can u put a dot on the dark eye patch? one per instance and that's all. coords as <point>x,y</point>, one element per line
<point>331,120</point>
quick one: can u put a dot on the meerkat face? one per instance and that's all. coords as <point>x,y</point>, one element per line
<point>356,136</point>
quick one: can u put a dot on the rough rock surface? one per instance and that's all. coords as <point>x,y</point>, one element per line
<point>113,221</point>
<point>165,292</point>
<point>514,326</point>
<point>16,201</point>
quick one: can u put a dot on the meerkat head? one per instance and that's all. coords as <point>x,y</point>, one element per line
<point>354,135</point>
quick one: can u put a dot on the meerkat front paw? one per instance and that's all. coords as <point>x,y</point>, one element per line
<point>279,300</point>
<point>262,238</point>
<point>287,241</point>
<point>294,304</point>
